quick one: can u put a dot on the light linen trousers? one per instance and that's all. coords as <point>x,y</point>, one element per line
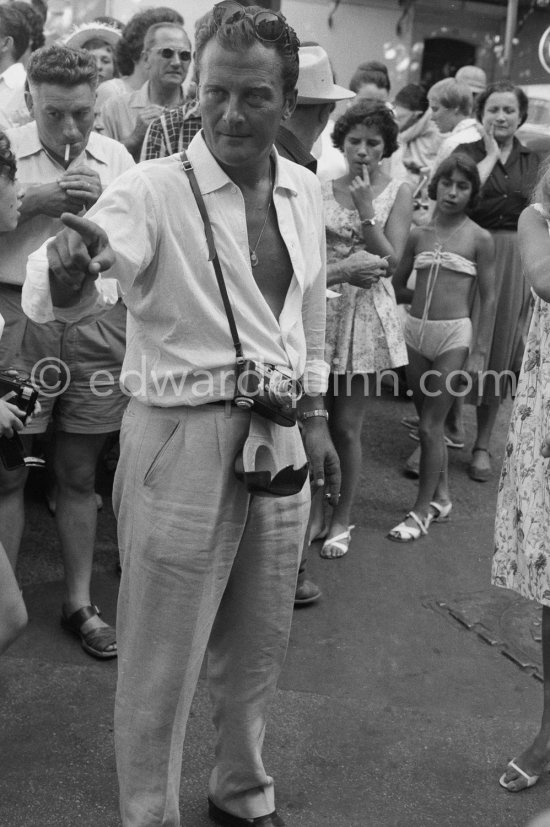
<point>205,567</point>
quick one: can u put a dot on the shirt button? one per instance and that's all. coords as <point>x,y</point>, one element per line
<point>505,196</point>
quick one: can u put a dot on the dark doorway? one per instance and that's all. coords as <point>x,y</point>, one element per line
<point>442,57</point>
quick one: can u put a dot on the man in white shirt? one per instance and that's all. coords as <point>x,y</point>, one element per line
<point>14,40</point>
<point>206,566</point>
<point>63,167</point>
<point>167,52</point>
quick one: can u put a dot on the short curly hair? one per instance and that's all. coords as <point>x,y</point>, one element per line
<point>8,163</point>
<point>130,46</point>
<point>374,115</point>
<point>457,162</point>
<point>63,66</point>
<point>240,34</point>
<point>503,86</point>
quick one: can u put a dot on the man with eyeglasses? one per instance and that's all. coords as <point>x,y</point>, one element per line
<point>167,51</point>
<point>207,566</point>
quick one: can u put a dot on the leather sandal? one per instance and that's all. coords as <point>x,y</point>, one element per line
<point>480,471</point>
<point>95,642</point>
<point>404,533</point>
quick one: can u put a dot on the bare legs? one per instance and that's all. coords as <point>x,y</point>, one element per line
<point>13,615</point>
<point>345,402</point>
<point>534,759</point>
<point>433,394</point>
<point>76,457</point>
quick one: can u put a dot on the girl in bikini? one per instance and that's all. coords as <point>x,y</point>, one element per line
<point>453,256</point>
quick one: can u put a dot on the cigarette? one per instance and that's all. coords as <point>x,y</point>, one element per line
<point>67,152</point>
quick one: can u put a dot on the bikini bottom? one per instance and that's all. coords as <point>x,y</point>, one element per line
<point>438,336</point>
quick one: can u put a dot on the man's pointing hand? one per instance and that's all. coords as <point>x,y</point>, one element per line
<point>77,255</point>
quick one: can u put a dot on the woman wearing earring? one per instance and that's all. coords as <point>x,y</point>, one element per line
<point>365,211</point>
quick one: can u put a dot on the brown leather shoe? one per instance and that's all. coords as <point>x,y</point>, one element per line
<point>229,820</point>
<point>306,593</point>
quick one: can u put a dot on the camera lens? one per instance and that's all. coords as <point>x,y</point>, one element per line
<point>284,391</point>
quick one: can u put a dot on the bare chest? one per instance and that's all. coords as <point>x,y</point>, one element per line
<point>271,265</point>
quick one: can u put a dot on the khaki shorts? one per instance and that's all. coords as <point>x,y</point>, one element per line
<point>77,366</point>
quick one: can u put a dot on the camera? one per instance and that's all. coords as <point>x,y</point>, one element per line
<point>24,397</point>
<point>269,391</point>
<point>25,393</point>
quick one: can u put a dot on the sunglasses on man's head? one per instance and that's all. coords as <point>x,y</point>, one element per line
<point>167,53</point>
<point>268,25</point>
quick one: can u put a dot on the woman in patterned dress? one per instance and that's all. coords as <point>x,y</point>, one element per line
<point>366,213</point>
<point>522,553</point>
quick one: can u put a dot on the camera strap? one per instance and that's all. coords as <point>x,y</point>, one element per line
<point>213,255</point>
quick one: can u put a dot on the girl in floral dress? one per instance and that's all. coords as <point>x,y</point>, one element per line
<point>522,538</point>
<point>366,213</point>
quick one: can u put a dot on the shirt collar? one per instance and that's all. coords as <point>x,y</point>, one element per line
<point>28,143</point>
<point>14,75</point>
<point>212,177</point>
<point>466,123</point>
<point>140,97</point>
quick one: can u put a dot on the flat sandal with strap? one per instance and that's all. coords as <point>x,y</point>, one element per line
<point>95,642</point>
<point>404,533</point>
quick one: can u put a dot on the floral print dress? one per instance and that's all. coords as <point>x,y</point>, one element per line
<point>522,538</point>
<point>364,332</point>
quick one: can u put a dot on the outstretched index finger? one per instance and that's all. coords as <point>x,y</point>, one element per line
<point>95,239</point>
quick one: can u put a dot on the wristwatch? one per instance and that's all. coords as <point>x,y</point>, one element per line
<point>317,412</point>
<point>368,221</point>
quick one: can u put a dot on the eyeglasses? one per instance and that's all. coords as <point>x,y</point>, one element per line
<point>268,25</point>
<point>167,53</point>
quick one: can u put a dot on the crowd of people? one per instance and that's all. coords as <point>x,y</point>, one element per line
<point>198,256</point>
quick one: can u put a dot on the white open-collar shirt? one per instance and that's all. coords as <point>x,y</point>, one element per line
<point>179,347</point>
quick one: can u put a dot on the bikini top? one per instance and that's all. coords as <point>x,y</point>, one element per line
<point>442,258</point>
<point>434,259</point>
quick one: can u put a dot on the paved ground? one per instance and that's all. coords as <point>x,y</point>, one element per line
<point>390,714</point>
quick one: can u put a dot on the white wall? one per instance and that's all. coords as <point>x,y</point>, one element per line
<point>358,32</point>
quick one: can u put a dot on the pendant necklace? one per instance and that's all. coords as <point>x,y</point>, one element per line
<point>254,260</point>
<point>440,242</point>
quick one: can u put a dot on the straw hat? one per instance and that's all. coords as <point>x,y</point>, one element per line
<point>315,78</point>
<point>92,31</point>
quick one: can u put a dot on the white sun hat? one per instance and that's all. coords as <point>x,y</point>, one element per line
<point>315,78</point>
<point>92,31</point>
